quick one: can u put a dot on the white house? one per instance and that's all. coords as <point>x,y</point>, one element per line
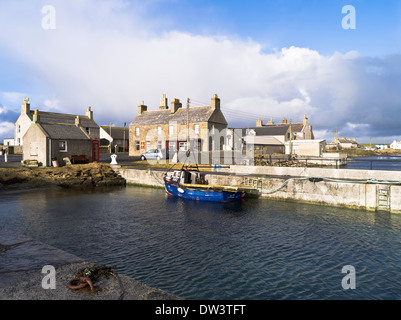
<point>9,142</point>
<point>396,145</point>
<point>381,146</point>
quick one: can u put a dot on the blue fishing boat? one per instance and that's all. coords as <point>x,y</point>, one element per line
<point>190,184</point>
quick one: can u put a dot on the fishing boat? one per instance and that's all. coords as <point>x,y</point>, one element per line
<point>190,184</point>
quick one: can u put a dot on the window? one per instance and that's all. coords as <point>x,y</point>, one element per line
<point>87,130</point>
<point>159,130</point>
<point>196,128</point>
<point>137,146</point>
<point>159,144</point>
<point>19,128</point>
<point>183,146</point>
<point>63,146</point>
<point>137,131</point>
<point>171,129</point>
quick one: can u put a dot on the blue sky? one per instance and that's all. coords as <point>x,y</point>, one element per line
<point>264,58</point>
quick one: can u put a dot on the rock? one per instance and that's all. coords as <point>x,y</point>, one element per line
<point>74,176</point>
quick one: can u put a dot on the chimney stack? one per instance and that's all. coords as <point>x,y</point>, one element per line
<point>25,107</point>
<point>285,121</point>
<point>35,116</point>
<point>259,123</point>
<point>163,102</point>
<point>175,105</point>
<point>305,120</point>
<point>142,108</point>
<point>89,113</point>
<point>216,102</point>
<point>77,121</point>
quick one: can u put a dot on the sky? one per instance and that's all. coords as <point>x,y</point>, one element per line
<point>265,59</point>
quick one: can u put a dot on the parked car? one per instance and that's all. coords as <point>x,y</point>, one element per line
<point>154,154</point>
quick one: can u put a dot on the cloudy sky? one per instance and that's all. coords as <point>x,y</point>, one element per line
<point>271,58</point>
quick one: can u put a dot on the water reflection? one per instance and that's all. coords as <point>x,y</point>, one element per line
<point>256,249</point>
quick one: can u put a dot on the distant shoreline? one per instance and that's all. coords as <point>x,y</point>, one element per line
<point>367,153</point>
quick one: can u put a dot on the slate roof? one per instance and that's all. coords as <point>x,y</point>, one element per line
<point>62,118</point>
<point>273,129</point>
<point>153,117</point>
<point>63,131</point>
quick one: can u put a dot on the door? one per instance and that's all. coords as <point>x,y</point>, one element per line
<point>95,150</point>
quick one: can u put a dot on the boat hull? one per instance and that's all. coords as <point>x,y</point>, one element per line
<point>202,195</point>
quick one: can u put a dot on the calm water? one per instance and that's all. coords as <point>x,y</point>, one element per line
<point>257,249</point>
<point>390,163</point>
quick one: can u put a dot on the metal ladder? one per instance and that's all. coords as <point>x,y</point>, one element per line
<point>254,182</point>
<point>383,197</point>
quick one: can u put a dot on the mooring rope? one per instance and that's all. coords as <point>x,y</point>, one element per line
<point>314,180</point>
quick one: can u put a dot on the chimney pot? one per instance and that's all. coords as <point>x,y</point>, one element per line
<point>35,116</point>
<point>142,108</point>
<point>216,102</point>
<point>175,105</point>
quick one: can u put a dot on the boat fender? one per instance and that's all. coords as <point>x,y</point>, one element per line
<point>315,179</point>
<point>180,190</point>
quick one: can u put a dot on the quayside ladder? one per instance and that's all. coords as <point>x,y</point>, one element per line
<point>383,197</point>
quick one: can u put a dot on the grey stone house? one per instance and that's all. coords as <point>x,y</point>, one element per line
<point>168,128</point>
<point>56,136</point>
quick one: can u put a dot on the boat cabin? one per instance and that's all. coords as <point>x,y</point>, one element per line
<point>188,177</point>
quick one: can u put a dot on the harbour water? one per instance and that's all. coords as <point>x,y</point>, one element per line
<point>390,163</point>
<point>255,249</point>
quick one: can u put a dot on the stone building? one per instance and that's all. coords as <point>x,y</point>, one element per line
<point>26,118</point>
<point>271,138</point>
<point>52,136</point>
<point>168,128</point>
<point>299,130</point>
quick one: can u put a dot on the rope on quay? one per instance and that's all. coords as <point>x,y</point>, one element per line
<point>314,180</point>
<point>150,171</point>
<point>282,185</point>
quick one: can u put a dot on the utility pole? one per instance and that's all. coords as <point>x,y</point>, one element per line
<point>110,136</point>
<point>187,123</point>
<point>290,145</point>
<point>124,137</point>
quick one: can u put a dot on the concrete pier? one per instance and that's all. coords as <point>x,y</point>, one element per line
<point>21,264</point>
<point>359,189</point>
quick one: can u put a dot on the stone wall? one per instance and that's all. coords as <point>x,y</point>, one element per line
<point>298,186</point>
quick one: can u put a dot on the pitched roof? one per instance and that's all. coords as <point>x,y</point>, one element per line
<point>263,140</point>
<point>63,131</point>
<point>62,118</point>
<point>270,130</point>
<point>196,114</point>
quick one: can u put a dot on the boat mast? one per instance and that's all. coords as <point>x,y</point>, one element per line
<point>187,123</point>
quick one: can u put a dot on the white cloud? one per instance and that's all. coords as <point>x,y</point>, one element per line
<point>13,97</point>
<point>6,129</point>
<point>107,54</point>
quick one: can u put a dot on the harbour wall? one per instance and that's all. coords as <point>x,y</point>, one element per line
<point>359,189</point>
